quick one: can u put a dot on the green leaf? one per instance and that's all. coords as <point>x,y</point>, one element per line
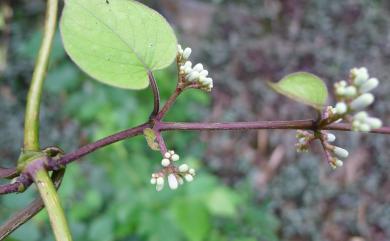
<point>303,87</point>
<point>117,41</point>
<point>192,218</point>
<point>222,202</point>
<point>150,137</point>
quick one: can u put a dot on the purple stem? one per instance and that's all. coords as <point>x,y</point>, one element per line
<point>171,126</point>
<point>156,95</point>
<point>8,173</point>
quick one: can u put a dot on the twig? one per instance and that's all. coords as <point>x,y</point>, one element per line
<point>169,103</point>
<point>8,173</point>
<point>156,95</point>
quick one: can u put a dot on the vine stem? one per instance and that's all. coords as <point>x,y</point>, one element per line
<point>31,122</point>
<point>51,200</point>
<point>169,103</point>
<point>30,211</point>
<point>186,126</point>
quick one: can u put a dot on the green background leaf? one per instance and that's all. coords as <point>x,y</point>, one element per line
<point>192,218</point>
<point>303,87</point>
<point>117,42</point>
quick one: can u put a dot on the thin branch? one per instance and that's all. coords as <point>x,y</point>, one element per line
<point>8,173</point>
<point>161,143</point>
<point>156,95</point>
<point>169,103</point>
<point>31,122</point>
<point>30,211</point>
<point>255,125</point>
<point>75,155</point>
<point>22,182</point>
<point>188,126</point>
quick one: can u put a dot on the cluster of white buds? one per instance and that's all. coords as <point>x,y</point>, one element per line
<point>353,96</point>
<point>304,139</point>
<point>175,175</point>
<point>335,153</point>
<point>193,74</point>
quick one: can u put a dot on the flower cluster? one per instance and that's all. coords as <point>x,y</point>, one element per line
<point>304,139</point>
<point>175,175</point>
<point>335,153</point>
<point>193,74</point>
<point>353,96</point>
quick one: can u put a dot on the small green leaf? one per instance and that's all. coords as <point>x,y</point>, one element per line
<point>192,218</point>
<point>118,41</point>
<point>222,202</point>
<point>303,87</point>
<point>150,137</point>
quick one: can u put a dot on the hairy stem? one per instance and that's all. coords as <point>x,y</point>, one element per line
<point>31,122</point>
<point>52,203</point>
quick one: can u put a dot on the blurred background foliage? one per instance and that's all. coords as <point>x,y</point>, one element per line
<point>251,185</point>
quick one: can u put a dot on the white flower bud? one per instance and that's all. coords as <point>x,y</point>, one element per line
<point>175,157</point>
<point>192,171</point>
<point>187,52</point>
<point>356,125</point>
<point>198,67</point>
<point>207,81</point>
<point>343,83</point>
<point>194,75</point>
<point>160,181</point>
<point>171,152</point>
<point>180,180</point>
<point>361,116</point>
<point>183,168</point>
<point>153,181</point>
<point>172,181</point>
<point>340,152</point>
<point>189,177</point>
<point>362,101</point>
<point>204,73</point>
<point>341,108</point>
<point>302,140</point>
<point>179,49</point>
<point>330,137</point>
<point>165,162</point>
<point>364,127</point>
<point>360,75</point>
<point>369,85</point>
<point>340,90</point>
<point>350,91</point>
<point>188,64</point>
<point>187,70</point>
<point>167,155</point>
<point>374,123</point>
<point>159,184</point>
<point>339,163</point>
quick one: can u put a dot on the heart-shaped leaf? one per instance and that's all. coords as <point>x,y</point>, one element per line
<point>117,41</point>
<point>303,87</point>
